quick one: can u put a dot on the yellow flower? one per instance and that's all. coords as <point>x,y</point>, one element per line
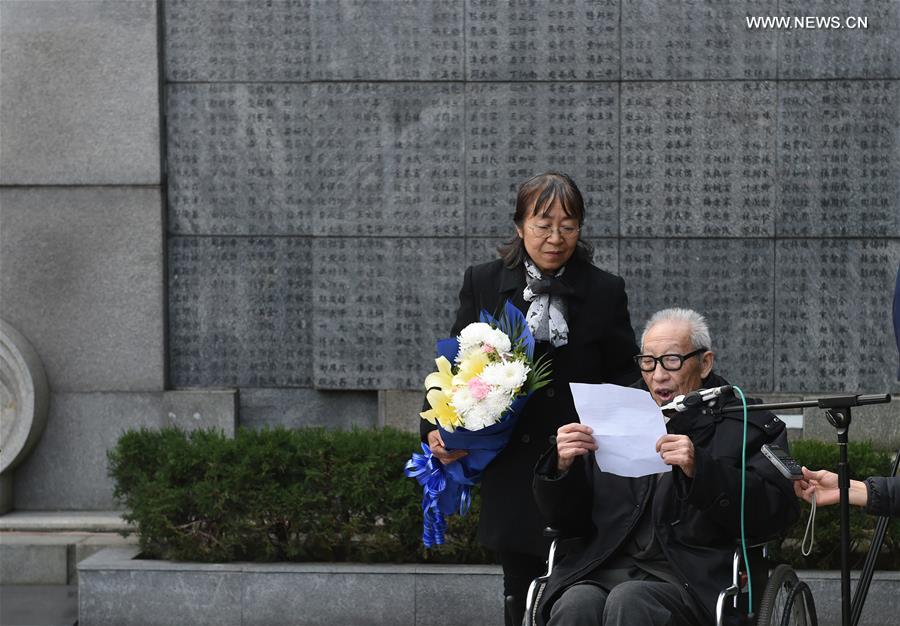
<point>442,378</point>
<point>441,411</point>
<point>471,366</point>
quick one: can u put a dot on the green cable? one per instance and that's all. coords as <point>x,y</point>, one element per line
<point>743,497</point>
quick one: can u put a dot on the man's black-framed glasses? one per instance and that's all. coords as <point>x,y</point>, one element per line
<point>669,362</point>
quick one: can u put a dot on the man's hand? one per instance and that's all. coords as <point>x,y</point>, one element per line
<point>436,444</point>
<point>572,440</point>
<point>677,450</point>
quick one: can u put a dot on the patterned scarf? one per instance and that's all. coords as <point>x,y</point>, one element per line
<point>546,315</point>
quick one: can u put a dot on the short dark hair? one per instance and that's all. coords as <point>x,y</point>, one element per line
<point>537,194</point>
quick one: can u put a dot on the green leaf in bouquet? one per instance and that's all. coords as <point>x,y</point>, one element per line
<point>539,375</point>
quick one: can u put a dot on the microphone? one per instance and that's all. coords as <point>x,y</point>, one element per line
<point>694,399</point>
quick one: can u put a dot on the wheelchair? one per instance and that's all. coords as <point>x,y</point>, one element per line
<point>779,597</point>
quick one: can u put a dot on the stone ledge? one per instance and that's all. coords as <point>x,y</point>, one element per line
<point>162,592</point>
<point>345,593</point>
<point>50,558</point>
<point>62,521</point>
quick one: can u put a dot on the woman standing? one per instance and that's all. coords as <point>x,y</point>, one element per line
<point>579,316</point>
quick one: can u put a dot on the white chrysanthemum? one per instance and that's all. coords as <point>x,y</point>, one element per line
<point>462,400</point>
<point>479,416</point>
<point>509,376</point>
<point>488,412</point>
<point>498,340</point>
<point>474,335</point>
<point>477,335</point>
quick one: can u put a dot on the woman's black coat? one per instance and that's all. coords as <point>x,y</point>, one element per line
<point>600,349</point>
<point>884,495</point>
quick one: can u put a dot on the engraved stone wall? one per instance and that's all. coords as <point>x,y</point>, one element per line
<point>333,166</point>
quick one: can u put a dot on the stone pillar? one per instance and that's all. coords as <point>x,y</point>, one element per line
<point>82,242</point>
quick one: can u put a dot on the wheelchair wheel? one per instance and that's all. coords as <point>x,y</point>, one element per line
<point>786,601</point>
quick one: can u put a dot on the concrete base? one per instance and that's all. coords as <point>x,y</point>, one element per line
<point>43,547</point>
<point>880,608</point>
<point>34,605</point>
<point>115,588</point>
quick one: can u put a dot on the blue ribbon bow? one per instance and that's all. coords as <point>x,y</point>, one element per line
<point>447,489</point>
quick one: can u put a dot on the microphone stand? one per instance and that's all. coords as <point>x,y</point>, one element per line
<point>837,412</point>
<point>865,576</point>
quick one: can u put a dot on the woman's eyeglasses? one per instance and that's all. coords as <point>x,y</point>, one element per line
<point>545,232</point>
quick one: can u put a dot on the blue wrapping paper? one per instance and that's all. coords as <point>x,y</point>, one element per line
<point>447,488</point>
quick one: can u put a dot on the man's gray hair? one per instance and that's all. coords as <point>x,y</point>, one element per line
<point>699,329</point>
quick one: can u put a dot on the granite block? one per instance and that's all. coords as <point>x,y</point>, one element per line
<point>476,599</point>
<point>80,93</point>
<point>375,326</point>
<point>303,408</point>
<point>839,153</point>
<point>340,593</point>
<point>331,159</point>
<point>482,249</point>
<point>576,40</point>
<point>67,469</point>
<point>240,158</point>
<point>606,254</point>
<point>325,599</point>
<point>39,604</point>
<point>34,562</point>
<point>729,281</point>
<point>517,130</point>
<point>830,39</point>
<point>698,159</point>
<point>240,311</point>
<point>697,40</point>
<point>389,160</point>
<point>833,331</point>
<point>159,598</point>
<point>313,41</point>
<point>400,409</point>
<point>880,608</point>
<point>82,280</point>
<point>93,544</point>
<point>195,410</point>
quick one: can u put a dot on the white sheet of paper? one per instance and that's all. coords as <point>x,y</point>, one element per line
<point>626,423</point>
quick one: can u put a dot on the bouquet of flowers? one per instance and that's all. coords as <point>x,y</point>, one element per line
<point>483,380</point>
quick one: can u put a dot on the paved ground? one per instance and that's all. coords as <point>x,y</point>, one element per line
<point>38,605</point>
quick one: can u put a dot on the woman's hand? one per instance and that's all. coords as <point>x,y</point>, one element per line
<point>825,485</point>
<point>677,450</point>
<point>436,444</point>
<point>572,440</point>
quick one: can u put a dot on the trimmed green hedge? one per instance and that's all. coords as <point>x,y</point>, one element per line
<point>280,495</point>
<point>318,495</point>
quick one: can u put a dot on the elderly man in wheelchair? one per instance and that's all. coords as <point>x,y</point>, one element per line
<point>657,550</point>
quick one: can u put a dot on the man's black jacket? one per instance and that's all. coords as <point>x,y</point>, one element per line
<point>696,520</point>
